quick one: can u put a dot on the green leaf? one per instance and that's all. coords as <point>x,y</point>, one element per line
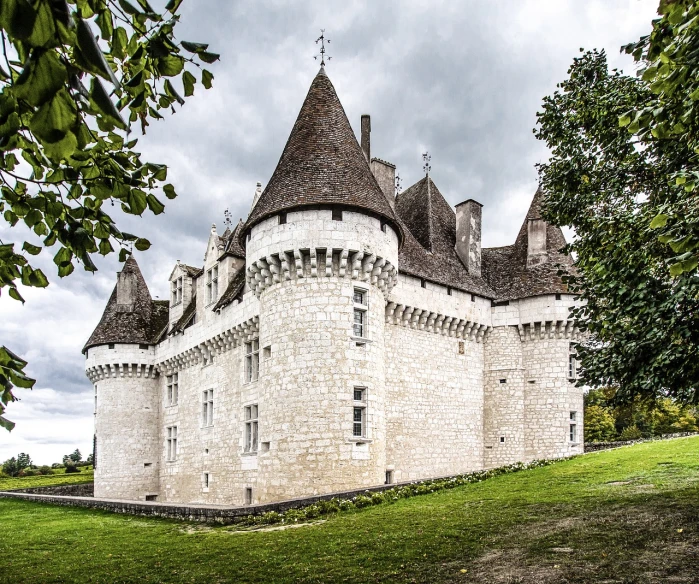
<point>119,43</point>
<point>208,57</point>
<point>44,30</point>
<point>169,191</point>
<point>170,66</point>
<point>659,221</point>
<point>105,24</point>
<point>194,47</point>
<point>136,202</point>
<point>170,90</point>
<point>625,120</point>
<point>7,424</point>
<point>188,80</point>
<point>17,18</point>
<point>32,249</point>
<point>92,53</point>
<point>38,279</point>
<point>41,78</point>
<point>104,104</point>
<point>14,293</point>
<point>206,78</point>
<point>54,118</point>
<point>155,205</point>
<point>142,244</point>
<point>129,8</point>
<point>124,254</point>
<point>63,257</point>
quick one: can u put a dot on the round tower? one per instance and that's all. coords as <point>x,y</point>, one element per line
<point>322,255</point>
<point>120,357</point>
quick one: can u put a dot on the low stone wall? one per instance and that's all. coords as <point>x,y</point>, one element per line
<point>81,490</point>
<point>595,446</point>
<point>202,513</point>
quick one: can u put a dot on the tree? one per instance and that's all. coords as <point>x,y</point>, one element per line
<point>10,468</point>
<point>74,76</point>
<point>599,424</point>
<point>90,458</point>
<point>76,456</point>
<point>624,173</point>
<point>23,460</point>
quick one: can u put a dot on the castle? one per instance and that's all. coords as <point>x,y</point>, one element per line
<point>342,337</point>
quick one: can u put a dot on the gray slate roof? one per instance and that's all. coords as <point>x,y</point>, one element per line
<point>428,251</point>
<point>322,164</point>
<point>232,243</point>
<point>233,290</point>
<point>505,268</point>
<point>144,325</point>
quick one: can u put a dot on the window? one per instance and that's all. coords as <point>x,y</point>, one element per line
<point>502,438</point>
<point>359,413</point>
<point>251,428</point>
<point>205,480</point>
<point>558,296</point>
<point>151,497</point>
<point>111,345</point>
<point>143,346</point>
<point>282,218</point>
<point>384,227</point>
<point>503,381</point>
<point>337,214</point>
<point>423,283</point>
<point>207,408</point>
<point>572,365</point>
<point>172,389</point>
<point>389,477</point>
<point>267,353</point>
<point>360,313</point>
<point>211,285</point>
<point>95,412</point>
<point>177,291</point>
<point>252,361</point>
<point>172,443</point>
<point>573,426</point>
<point>473,297</point>
<point>248,495</point>
<point>449,290</point>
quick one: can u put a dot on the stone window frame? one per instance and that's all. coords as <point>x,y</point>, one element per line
<point>360,408</point>
<point>171,443</point>
<point>206,481</point>
<point>251,370</point>
<point>251,427</point>
<point>177,285</point>
<point>95,412</point>
<point>360,312</point>
<point>572,363</point>
<point>207,408</point>
<point>172,384</point>
<point>573,427</point>
<point>212,284</point>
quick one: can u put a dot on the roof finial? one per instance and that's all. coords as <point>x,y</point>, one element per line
<point>399,188</point>
<point>426,166</point>
<point>322,40</point>
<point>228,218</point>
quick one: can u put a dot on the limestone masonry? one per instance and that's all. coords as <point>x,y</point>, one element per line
<point>342,337</point>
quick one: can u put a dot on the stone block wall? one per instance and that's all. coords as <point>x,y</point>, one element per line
<point>434,403</point>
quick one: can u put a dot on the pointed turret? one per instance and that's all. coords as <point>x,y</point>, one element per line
<point>322,164</point>
<point>131,315</point>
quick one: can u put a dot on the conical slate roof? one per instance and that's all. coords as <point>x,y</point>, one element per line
<point>143,324</point>
<point>322,164</point>
<point>505,268</point>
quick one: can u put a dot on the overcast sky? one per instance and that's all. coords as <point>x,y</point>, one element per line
<point>463,80</point>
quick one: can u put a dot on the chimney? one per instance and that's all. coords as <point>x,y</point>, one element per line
<point>468,235</point>
<point>536,242</point>
<point>385,174</point>
<point>366,136</point>
<point>126,291</point>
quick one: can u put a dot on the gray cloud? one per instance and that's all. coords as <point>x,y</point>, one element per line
<point>461,79</point>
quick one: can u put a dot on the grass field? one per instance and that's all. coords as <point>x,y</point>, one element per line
<point>627,515</point>
<point>12,483</point>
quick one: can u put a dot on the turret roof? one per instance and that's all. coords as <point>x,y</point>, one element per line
<point>322,164</point>
<point>144,324</point>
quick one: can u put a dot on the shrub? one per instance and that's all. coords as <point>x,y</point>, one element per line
<point>71,468</point>
<point>45,470</point>
<point>630,433</point>
<point>27,472</point>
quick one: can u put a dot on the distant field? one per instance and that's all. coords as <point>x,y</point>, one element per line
<point>11,483</point>
<point>620,516</point>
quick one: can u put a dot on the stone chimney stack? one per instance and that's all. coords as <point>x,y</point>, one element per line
<point>536,242</point>
<point>366,136</point>
<point>126,291</point>
<point>385,174</point>
<point>468,235</point>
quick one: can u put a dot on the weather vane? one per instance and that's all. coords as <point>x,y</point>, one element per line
<point>228,221</point>
<point>426,166</point>
<point>321,39</point>
<point>398,187</point>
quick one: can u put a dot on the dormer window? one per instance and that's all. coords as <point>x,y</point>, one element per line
<point>177,291</point>
<point>211,285</point>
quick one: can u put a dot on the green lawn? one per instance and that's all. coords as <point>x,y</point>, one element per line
<point>12,483</point>
<point>627,515</point>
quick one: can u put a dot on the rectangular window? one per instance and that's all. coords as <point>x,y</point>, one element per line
<point>248,496</point>
<point>252,361</point>
<point>211,285</point>
<point>389,477</point>
<point>282,218</point>
<point>360,313</point>
<point>473,297</point>
<point>423,283</point>
<point>205,480</point>
<point>572,365</point>
<point>359,413</point>
<point>172,389</point>
<point>573,427</point>
<point>172,443</point>
<point>95,399</point>
<point>177,290</point>
<point>207,408</point>
<point>449,290</point>
<point>251,428</point>
<point>337,214</point>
